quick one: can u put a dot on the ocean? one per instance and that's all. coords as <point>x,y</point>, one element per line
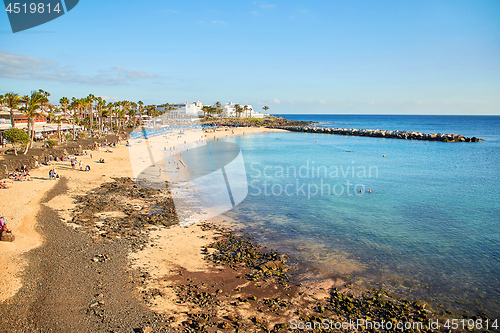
<point>425,225</point>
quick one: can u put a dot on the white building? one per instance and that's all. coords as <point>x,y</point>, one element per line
<point>194,109</point>
<point>247,111</point>
<point>180,110</point>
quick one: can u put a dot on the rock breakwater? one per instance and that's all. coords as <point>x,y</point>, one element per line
<point>377,133</point>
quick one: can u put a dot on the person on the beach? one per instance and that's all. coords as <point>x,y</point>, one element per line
<point>4,185</point>
<point>51,174</point>
<point>87,168</point>
<point>3,225</point>
<point>81,165</point>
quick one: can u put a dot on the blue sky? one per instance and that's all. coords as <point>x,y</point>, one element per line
<point>381,57</point>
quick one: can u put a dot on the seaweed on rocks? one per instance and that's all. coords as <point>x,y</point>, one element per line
<point>123,209</point>
<point>242,251</point>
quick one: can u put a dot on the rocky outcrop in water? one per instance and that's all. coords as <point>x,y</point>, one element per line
<point>245,122</point>
<point>405,135</point>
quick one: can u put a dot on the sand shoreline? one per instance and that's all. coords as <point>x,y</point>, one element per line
<point>172,266</point>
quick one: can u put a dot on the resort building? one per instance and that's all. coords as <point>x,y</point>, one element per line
<point>182,110</point>
<point>247,111</point>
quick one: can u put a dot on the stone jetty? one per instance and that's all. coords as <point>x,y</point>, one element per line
<point>405,135</point>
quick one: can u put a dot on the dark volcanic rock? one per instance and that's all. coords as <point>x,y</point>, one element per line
<point>123,209</point>
<point>379,133</point>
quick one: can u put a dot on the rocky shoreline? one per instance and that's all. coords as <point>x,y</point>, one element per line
<point>82,278</point>
<point>272,122</point>
<point>305,127</point>
<point>404,135</point>
<point>250,289</point>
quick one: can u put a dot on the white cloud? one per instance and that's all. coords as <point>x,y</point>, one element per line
<point>200,22</point>
<point>264,5</point>
<point>255,13</point>
<point>219,22</point>
<point>22,67</point>
<point>276,101</point>
<point>111,98</point>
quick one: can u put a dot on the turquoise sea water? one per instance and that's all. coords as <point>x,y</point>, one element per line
<point>429,228</point>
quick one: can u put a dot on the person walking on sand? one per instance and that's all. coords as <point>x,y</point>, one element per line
<point>81,165</point>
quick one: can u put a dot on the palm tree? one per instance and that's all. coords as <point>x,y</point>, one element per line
<point>33,110</point>
<point>125,105</point>
<point>111,109</point>
<point>266,108</point>
<point>100,105</point>
<point>45,100</point>
<point>218,108</point>
<point>51,116</point>
<point>121,117</point>
<point>75,105</point>
<point>238,110</point>
<point>59,120</point>
<point>246,108</point>
<point>133,113</point>
<point>103,113</point>
<point>206,109</point>
<point>117,111</point>
<point>140,103</point>
<point>64,101</point>
<point>89,103</point>
<point>12,100</point>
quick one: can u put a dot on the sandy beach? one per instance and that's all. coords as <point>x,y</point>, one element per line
<point>21,203</point>
<point>90,255</point>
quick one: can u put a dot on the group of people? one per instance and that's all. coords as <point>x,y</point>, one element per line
<point>74,162</point>
<point>21,174</point>
<point>53,174</point>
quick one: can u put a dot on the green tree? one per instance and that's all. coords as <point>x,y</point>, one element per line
<point>34,109</point>
<point>140,103</point>
<point>266,108</point>
<point>206,110</point>
<point>16,136</point>
<point>246,108</point>
<point>75,105</point>
<point>12,100</point>
<point>64,101</point>
<point>89,104</point>
<point>59,120</point>
<point>238,110</point>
